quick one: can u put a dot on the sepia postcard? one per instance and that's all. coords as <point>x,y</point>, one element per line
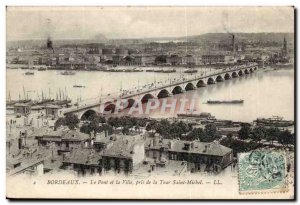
<point>150,103</point>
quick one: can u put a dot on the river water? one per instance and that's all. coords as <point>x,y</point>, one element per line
<point>265,93</point>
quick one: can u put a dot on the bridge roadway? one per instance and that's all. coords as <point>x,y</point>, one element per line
<point>211,78</point>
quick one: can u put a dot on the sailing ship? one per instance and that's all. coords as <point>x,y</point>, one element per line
<point>62,98</point>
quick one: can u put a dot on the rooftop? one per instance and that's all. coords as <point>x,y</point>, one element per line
<point>68,135</point>
<point>21,105</point>
<point>197,147</point>
<point>122,146</point>
<point>206,148</point>
<point>83,156</point>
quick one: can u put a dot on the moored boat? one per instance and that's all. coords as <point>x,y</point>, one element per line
<point>68,73</point>
<point>274,121</point>
<point>42,69</point>
<point>190,71</point>
<point>79,86</point>
<point>225,101</point>
<point>29,73</point>
<point>201,116</point>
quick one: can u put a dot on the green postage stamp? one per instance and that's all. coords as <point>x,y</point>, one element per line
<point>262,171</point>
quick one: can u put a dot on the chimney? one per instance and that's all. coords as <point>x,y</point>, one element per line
<point>171,144</point>
<point>192,145</point>
<point>233,44</point>
<point>20,142</point>
<point>186,146</point>
<point>151,143</point>
<point>92,143</point>
<point>106,133</point>
<point>206,148</point>
<point>156,139</point>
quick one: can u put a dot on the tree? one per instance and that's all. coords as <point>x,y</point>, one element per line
<point>163,128</point>
<point>85,129</point>
<point>107,127</point>
<point>273,134</point>
<point>258,133</point>
<point>71,121</point>
<point>59,122</point>
<point>286,138</point>
<point>98,119</point>
<point>141,122</point>
<point>196,134</point>
<point>125,130</point>
<point>179,128</point>
<point>152,125</point>
<point>210,129</point>
<point>113,121</point>
<point>245,131</point>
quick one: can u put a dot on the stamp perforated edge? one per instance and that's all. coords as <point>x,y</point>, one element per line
<point>264,191</point>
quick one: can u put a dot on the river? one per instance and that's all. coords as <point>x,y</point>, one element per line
<point>265,93</point>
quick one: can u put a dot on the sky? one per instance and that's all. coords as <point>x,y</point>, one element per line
<point>28,23</point>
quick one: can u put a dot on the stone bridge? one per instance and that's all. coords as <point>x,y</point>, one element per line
<point>161,91</point>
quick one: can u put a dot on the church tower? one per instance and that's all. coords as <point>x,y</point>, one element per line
<point>284,49</point>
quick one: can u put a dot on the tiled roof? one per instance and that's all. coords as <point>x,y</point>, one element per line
<point>68,135</point>
<point>122,146</point>
<point>21,105</point>
<point>205,148</point>
<point>73,135</point>
<point>83,156</point>
<point>45,131</point>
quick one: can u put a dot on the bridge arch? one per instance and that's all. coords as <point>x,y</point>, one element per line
<point>219,78</point>
<point>234,75</point>
<point>255,68</point>
<point>130,103</point>
<point>201,83</point>
<point>110,108</point>
<point>246,71</point>
<point>189,86</point>
<point>227,76</point>
<point>240,73</point>
<point>88,114</point>
<point>146,98</point>
<point>163,93</point>
<point>177,89</point>
<point>210,81</point>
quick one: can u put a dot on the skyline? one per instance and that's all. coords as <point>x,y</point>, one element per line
<point>61,23</point>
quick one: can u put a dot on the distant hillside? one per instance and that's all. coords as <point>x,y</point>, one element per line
<point>262,37</point>
<point>99,38</point>
<point>208,37</point>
